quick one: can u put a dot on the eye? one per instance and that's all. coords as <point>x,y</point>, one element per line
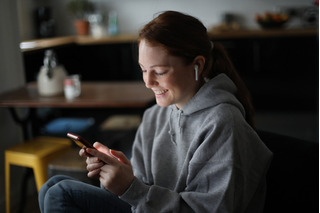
<point>160,73</point>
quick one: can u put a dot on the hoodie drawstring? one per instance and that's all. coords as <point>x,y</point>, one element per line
<point>179,119</point>
<point>171,132</point>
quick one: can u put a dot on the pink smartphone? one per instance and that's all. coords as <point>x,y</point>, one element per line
<point>80,141</point>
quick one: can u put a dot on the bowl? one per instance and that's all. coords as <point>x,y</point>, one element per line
<point>272,20</point>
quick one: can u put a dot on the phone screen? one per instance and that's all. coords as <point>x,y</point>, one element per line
<point>80,141</point>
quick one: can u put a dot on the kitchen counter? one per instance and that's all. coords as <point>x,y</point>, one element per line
<point>36,44</point>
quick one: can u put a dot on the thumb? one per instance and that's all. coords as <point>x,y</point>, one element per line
<point>120,156</point>
<point>102,148</point>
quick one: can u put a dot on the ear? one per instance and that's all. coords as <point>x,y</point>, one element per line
<point>199,61</point>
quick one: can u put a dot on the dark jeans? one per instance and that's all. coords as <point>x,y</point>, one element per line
<point>65,194</point>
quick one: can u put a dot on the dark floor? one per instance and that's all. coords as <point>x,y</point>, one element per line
<point>32,205</point>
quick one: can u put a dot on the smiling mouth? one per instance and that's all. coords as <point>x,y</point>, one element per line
<point>160,92</point>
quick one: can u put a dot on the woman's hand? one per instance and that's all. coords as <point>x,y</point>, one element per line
<point>114,169</point>
<point>94,164</point>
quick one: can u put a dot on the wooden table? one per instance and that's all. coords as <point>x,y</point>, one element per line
<point>93,95</point>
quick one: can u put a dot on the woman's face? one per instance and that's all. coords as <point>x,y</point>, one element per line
<point>172,81</point>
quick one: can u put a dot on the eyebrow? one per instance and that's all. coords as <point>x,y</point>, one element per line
<point>156,65</point>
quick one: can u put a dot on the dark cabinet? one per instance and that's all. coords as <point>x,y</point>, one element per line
<point>105,62</point>
<point>280,72</point>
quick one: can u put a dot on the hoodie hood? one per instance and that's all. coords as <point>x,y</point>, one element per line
<point>217,90</point>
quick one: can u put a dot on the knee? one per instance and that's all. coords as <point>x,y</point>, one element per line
<point>57,178</point>
<point>50,183</point>
<point>47,186</point>
<point>57,193</point>
<point>56,189</point>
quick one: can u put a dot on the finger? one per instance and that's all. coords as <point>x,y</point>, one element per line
<point>93,173</point>
<point>83,152</point>
<point>92,159</point>
<point>106,158</point>
<point>120,156</point>
<point>94,166</point>
<point>102,148</point>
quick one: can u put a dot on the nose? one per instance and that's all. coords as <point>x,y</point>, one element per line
<point>149,79</point>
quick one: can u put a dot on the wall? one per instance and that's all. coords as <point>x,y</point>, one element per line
<point>133,14</point>
<point>11,76</point>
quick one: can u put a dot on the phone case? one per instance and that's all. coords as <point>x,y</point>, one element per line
<point>80,141</point>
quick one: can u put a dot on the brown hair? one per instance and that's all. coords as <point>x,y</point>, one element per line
<point>185,36</point>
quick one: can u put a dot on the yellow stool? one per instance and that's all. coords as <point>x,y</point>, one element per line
<point>34,154</point>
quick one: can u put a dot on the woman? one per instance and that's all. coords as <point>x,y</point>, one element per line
<point>195,151</point>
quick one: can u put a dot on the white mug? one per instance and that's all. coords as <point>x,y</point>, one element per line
<point>72,87</point>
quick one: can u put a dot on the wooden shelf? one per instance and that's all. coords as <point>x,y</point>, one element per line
<point>263,33</point>
<point>45,43</point>
<point>36,44</point>
<point>89,40</point>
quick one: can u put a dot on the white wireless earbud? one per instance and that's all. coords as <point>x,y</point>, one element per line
<point>196,67</point>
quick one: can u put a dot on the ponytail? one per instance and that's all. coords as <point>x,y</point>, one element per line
<point>221,63</point>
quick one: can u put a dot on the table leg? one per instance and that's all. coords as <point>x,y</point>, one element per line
<point>25,122</point>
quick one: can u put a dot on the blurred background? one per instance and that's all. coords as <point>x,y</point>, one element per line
<point>281,68</point>
<point>134,14</point>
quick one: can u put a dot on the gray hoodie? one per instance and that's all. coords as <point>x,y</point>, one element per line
<point>203,157</point>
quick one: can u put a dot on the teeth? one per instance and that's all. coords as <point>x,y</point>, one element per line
<point>159,92</point>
